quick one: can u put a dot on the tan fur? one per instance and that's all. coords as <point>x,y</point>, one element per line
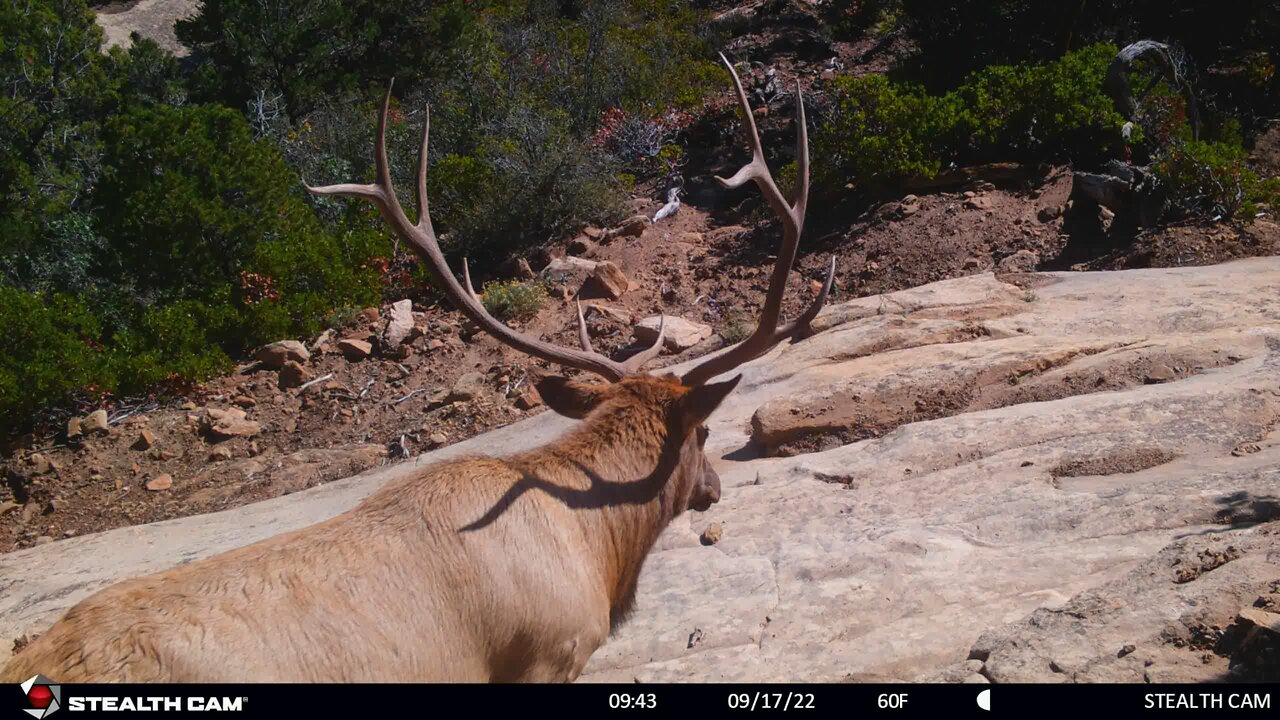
<point>476,569</point>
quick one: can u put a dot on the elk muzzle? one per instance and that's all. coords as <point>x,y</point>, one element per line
<point>706,491</point>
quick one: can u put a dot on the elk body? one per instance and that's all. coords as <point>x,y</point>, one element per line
<point>475,569</point>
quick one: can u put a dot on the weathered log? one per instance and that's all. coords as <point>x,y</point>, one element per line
<point>1116,84</point>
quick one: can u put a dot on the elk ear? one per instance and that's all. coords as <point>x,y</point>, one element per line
<point>569,397</point>
<point>703,400</point>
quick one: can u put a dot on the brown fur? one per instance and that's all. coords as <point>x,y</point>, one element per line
<point>476,569</point>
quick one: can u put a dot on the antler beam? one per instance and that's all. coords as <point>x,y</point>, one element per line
<point>422,238</point>
<point>767,333</point>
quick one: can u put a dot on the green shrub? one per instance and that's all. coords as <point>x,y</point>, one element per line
<point>879,131</point>
<point>1214,178</point>
<point>46,352</point>
<point>513,300</point>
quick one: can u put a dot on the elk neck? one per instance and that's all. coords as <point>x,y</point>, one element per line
<point>620,473</point>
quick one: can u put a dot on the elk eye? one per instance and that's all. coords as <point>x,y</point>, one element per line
<point>703,432</point>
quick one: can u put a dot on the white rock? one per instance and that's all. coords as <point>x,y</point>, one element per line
<point>681,334</point>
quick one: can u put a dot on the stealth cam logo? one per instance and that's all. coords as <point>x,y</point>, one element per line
<point>43,695</point>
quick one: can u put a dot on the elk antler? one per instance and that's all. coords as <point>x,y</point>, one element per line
<point>422,237</point>
<point>767,333</point>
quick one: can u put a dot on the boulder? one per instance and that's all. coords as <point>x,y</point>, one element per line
<point>275,355</point>
<point>680,334</point>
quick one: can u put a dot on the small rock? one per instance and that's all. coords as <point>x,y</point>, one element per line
<point>528,400</point>
<point>978,203</point>
<point>39,464</point>
<point>43,540</point>
<point>523,271</point>
<point>592,232</point>
<point>369,315</point>
<point>228,423</point>
<point>631,227</point>
<point>220,453</point>
<point>607,280</point>
<point>437,439</point>
<point>160,482</point>
<point>435,344</point>
<point>74,429</point>
<point>681,334</point>
<point>293,375</point>
<point>275,355</point>
<point>188,405</point>
<point>712,534</point>
<point>1022,261</point>
<point>400,323</point>
<point>570,266</point>
<point>1049,214</point>
<point>95,422</point>
<point>1160,373</point>
<point>7,507</point>
<point>244,401</point>
<point>467,387</point>
<point>146,440</point>
<point>618,315</point>
<point>1126,650</point>
<point>355,350</point>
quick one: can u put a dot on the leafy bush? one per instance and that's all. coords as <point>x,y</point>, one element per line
<point>513,300</point>
<point>46,352</point>
<point>1213,178</point>
<point>878,130</point>
<point>958,37</point>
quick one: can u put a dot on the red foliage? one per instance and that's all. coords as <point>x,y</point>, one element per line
<point>256,288</point>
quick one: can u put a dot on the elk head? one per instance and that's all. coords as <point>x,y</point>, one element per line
<point>688,400</point>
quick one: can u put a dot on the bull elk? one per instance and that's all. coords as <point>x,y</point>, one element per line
<point>474,569</point>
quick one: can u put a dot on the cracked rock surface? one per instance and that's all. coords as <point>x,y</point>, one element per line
<point>1041,477</point>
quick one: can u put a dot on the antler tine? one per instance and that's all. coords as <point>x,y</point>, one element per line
<point>634,362</point>
<point>767,333</point>
<point>423,239</point>
<point>583,336</point>
<point>424,212</point>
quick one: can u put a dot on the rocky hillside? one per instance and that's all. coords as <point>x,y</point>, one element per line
<point>1050,477</point>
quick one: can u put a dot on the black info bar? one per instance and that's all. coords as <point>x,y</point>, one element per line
<point>47,698</point>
